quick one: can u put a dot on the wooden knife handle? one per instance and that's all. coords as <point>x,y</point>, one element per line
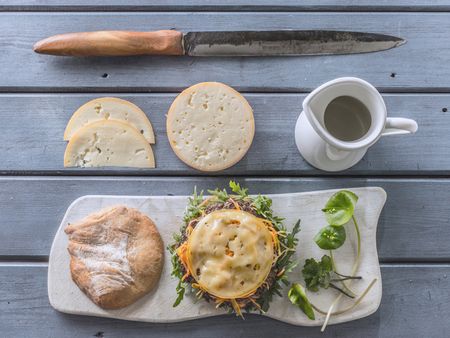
<point>113,43</point>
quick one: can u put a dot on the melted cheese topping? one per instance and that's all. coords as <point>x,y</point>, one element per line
<point>230,253</point>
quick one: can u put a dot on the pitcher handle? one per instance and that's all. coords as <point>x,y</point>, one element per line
<point>399,126</point>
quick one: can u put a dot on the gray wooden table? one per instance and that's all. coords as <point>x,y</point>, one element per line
<point>38,94</point>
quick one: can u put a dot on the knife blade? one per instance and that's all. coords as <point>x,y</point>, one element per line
<point>218,43</point>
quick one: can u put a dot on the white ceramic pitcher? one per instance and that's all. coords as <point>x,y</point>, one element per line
<point>324,151</point>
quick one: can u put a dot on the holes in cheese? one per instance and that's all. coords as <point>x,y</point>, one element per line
<point>108,143</point>
<point>230,253</point>
<point>110,108</point>
<point>210,126</point>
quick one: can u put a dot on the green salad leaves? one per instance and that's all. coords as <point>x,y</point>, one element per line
<point>317,274</point>
<point>260,205</point>
<point>321,275</point>
<point>339,210</point>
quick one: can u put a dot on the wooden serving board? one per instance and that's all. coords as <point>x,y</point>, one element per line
<point>167,212</point>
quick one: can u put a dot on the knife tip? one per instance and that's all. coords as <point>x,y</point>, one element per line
<point>401,42</point>
<point>38,47</point>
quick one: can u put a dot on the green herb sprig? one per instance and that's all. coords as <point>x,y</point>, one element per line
<point>339,210</point>
<point>320,275</point>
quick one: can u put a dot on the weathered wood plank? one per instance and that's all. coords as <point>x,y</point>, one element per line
<point>427,48</point>
<point>219,5</point>
<point>415,302</point>
<point>414,225</point>
<point>33,127</point>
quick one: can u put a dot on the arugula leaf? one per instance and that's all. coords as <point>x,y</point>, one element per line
<point>181,289</point>
<point>290,241</point>
<point>236,188</point>
<point>177,272</point>
<point>221,195</point>
<point>330,237</point>
<point>284,264</point>
<point>263,207</point>
<point>340,207</point>
<point>193,209</point>
<point>297,296</point>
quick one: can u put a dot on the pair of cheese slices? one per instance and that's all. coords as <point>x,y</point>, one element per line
<point>109,131</point>
<point>210,127</point>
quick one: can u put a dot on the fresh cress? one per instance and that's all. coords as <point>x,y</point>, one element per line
<point>339,210</point>
<point>340,207</point>
<point>321,275</point>
<point>330,237</point>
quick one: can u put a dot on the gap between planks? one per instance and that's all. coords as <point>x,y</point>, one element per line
<point>177,90</point>
<point>226,8</point>
<point>123,173</point>
<point>34,264</point>
<point>182,178</point>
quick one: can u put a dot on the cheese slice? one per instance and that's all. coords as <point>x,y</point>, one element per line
<point>110,108</point>
<point>210,126</point>
<point>230,253</point>
<point>108,143</point>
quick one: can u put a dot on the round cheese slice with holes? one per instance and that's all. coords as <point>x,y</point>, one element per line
<point>230,253</point>
<point>210,126</point>
<point>108,143</point>
<point>110,108</point>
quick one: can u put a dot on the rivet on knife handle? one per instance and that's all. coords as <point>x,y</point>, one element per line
<point>113,43</point>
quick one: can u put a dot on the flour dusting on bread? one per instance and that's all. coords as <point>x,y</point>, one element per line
<point>116,256</point>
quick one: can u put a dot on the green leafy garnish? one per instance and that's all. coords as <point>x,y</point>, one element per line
<point>339,210</point>
<point>298,297</point>
<point>261,206</point>
<point>221,195</point>
<point>193,210</point>
<point>236,188</point>
<point>284,265</point>
<point>330,237</point>
<point>340,207</point>
<point>177,271</point>
<point>317,274</point>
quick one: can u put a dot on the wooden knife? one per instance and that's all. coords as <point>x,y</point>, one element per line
<point>225,43</point>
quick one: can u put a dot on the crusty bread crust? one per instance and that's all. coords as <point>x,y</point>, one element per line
<point>117,256</point>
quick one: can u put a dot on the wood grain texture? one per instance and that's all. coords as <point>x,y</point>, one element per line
<point>414,225</point>
<point>33,127</point>
<point>112,43</point>
<point>415,302</point>
<point>230,5</point>
<point>426,34</point>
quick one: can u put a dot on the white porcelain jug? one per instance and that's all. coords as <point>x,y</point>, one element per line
<point>317,144</point>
